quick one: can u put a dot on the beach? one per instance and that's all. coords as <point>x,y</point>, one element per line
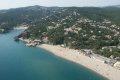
<point>92,63</point>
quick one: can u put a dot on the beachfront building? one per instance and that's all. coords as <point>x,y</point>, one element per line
<point>87,52</point>
<point>2,30</point>
<point>117,65</point>
<point>110,61</point>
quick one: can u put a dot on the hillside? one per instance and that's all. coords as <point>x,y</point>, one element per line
<point>25,15</point>
<point>79,28</point>
<point>93,28</point>
<point>117,6</point>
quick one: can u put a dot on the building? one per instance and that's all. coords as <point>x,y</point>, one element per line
<point>117,65</point>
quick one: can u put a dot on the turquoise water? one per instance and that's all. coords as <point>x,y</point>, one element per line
<point>18,62</point>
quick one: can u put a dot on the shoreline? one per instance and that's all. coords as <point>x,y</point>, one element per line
<point>76,56</point>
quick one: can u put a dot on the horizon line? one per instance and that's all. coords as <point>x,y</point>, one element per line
<point>56,6</point>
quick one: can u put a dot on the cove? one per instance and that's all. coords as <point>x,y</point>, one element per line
<point>18,62</point>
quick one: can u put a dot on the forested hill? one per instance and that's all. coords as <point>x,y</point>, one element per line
<point>25,15</point>
<point>92,28</point>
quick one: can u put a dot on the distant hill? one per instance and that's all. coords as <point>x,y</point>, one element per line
<point>25,15</point>
<point>116,6</point>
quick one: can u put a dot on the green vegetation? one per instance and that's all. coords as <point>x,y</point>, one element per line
<point>74,27</point>
<point>26,15</point>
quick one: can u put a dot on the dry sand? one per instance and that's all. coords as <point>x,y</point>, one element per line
<point>91,63</point>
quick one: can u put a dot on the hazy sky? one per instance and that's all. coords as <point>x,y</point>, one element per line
<point>5,4</point>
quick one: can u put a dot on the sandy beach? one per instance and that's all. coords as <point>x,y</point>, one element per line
<point>92,63</point>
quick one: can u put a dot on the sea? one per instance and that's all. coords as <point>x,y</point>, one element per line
<point>19,62</point>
